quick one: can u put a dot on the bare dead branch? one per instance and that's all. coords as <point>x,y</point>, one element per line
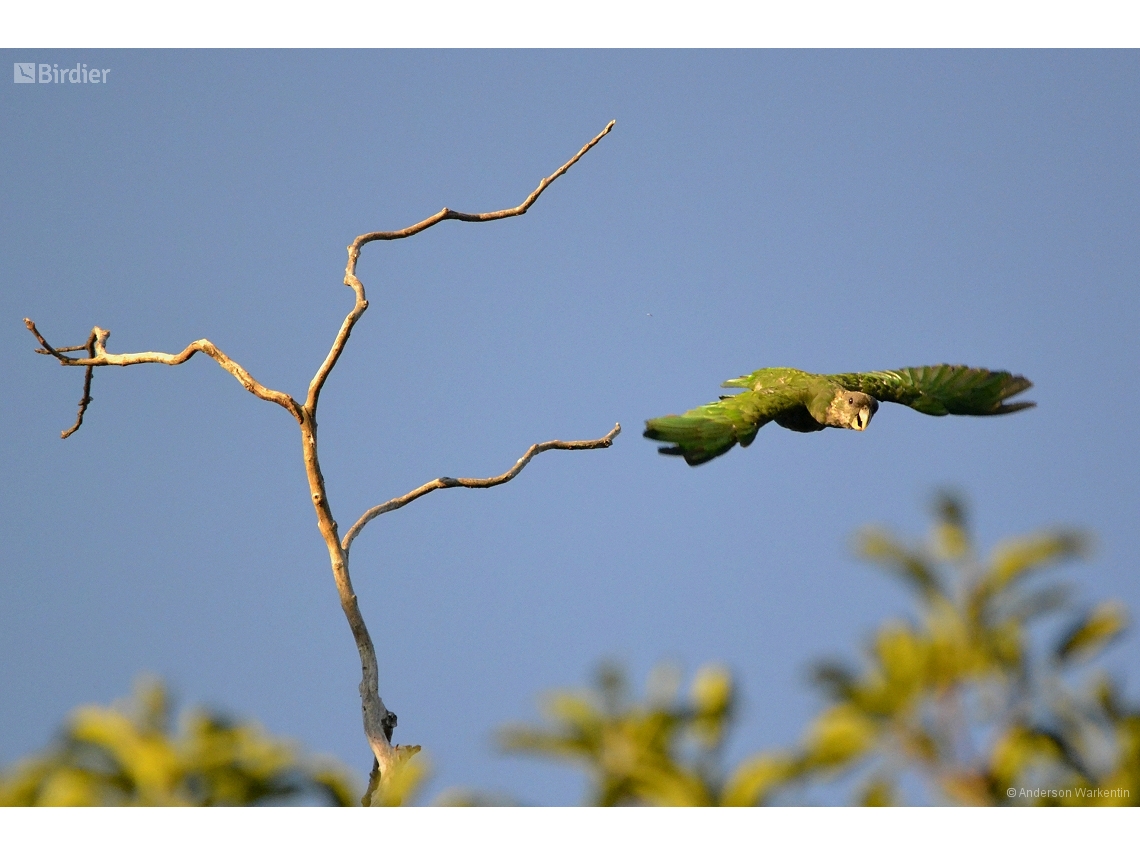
<point>351,281</point>
<point>476,483</point>
<point>74,347</point>
<point>448,214</point>
<point>379,721</point>
<point>85,399</point>
<point>358,309</point>
<point>47,348</point>
<point>88,346</point>
<point>99,357</point>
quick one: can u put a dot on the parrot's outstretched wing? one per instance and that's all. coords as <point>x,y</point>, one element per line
<point>940,390</point>
<point>706,432</point>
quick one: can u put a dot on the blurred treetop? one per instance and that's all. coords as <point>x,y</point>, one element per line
<point>981,699</point>
<point>971,703</point>
<point>128,754</point>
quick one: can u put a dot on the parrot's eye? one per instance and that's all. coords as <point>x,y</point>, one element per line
<point>850,399</point>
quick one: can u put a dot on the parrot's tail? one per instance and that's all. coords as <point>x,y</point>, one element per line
<point>696,438</point>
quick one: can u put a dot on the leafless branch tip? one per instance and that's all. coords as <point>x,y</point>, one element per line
<point>97,356</point>
<point>477,483</point>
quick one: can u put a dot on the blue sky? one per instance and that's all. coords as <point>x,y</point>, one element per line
<point>833,211</point>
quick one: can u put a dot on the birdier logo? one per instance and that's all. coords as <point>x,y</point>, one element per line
<point>30,72</point>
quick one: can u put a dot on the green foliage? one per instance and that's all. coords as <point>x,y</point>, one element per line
<point>663,751</point>
<point>962,698</point>
<point>127,754</point>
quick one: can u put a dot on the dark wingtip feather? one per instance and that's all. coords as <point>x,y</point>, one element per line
<point>1013,408</point>
<point>1014,384</point>
<point>693,457</point>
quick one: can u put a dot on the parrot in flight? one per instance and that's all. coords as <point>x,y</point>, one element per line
<point>806,402</point>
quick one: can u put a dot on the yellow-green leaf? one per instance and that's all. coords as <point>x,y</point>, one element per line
<point>756,778</point>
<point>1014,558</point>
<point>838,735</point>
<point>1093,631</point>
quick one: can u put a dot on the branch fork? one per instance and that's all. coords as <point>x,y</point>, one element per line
<point>379,721</point>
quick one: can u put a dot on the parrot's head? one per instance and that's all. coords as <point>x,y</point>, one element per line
<point>852,410</point>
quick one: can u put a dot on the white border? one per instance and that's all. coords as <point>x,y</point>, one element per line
<point>582,23</point>
<point>553,831</point>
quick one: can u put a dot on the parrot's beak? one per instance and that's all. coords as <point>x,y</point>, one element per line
<point>862,418</point>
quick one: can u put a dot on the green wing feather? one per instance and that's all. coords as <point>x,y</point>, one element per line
<point>709,431</point>
<point>940,390</point>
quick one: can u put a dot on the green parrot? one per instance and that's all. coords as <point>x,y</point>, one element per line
<point>806,402</point>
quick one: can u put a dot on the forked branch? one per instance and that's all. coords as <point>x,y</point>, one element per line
<point>351,281</point>
<point>97,357</point>
<point>379,721</point>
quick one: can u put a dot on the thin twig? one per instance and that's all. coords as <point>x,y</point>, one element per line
<point>518,210</point>
<point>47,348</point>
<point>74,347</point>
<point>99,358</point>
<point>476,483</point>
<point>358,309</point>
<point>87,375</point>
